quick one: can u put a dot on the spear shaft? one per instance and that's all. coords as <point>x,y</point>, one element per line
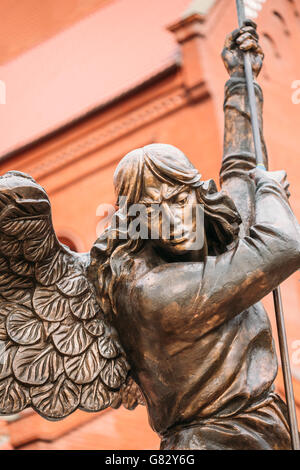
<point>282,337</point>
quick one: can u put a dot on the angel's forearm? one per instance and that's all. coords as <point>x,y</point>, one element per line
<point>239,154</point>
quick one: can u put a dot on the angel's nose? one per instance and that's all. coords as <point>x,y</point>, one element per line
<point>172,217</point>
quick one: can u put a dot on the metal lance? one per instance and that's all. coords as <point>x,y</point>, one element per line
<point>282,337</point>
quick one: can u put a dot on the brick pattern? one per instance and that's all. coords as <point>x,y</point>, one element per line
<point>110,132</point>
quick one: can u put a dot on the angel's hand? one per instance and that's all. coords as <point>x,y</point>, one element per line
<point>278,176</point>
<point>238,42</point>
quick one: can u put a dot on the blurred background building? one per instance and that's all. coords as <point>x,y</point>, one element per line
<point>86,81</point>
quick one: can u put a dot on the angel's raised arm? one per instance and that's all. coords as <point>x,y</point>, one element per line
<point>239,154</point>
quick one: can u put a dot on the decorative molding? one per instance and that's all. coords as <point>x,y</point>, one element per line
<point>188,28</point>
<point>116,129</point>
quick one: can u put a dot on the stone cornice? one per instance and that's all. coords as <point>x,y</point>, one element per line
<point>66,154</point>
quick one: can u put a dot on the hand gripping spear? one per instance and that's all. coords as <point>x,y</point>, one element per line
<point>286,368</point>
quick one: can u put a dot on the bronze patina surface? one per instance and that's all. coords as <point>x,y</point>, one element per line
<point>152,320</point>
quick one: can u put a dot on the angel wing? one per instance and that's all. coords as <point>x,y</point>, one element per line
<point>58,351</point>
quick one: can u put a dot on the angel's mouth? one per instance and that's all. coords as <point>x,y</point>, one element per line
<point>177,241</point>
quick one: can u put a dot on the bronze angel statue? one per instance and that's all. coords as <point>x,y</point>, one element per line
<point>153,320</point>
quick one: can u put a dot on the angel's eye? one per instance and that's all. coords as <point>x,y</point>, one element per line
<point>181,199</point>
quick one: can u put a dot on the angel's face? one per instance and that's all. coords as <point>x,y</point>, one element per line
<point>175,219</point>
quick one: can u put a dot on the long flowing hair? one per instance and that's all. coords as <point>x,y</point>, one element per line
<point>113,252</point>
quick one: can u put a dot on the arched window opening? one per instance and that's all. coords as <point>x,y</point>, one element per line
<point>282,21</point>
<point>271,45</point>
<point>294,6</point>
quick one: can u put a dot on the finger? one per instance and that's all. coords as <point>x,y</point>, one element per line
<point>284,179</point>
<point>282,173</point>
<point>249,22</point>
<point>248,45</point>
<point>235,33</point>
<point>260,51</point>
<point>243,37</point>
<point>256,174</point>
<point>252,174</point>
<point>230,38</point>
<point>286,186</point>
<point>280,176</point>
<point>248,29</point>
